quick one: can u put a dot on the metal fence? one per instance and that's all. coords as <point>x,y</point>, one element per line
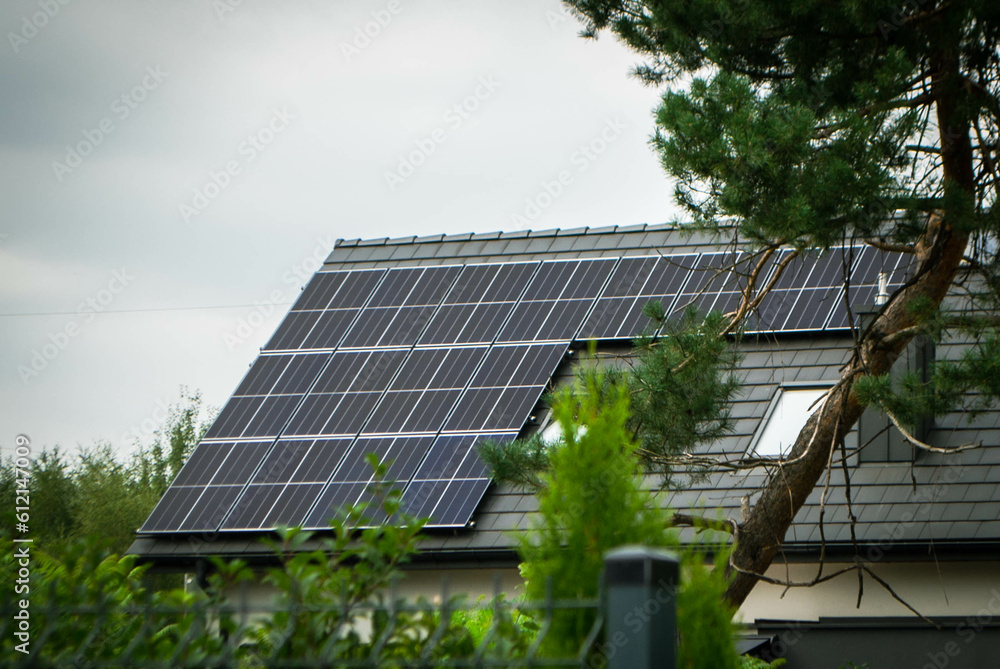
<point>391,633</point>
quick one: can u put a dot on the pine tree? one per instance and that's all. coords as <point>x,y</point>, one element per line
<point>807,124</point>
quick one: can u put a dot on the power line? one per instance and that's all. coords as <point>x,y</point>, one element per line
<point>139,311</point>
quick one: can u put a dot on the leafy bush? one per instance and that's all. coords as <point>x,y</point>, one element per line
<point>331,603</point>
<point>591,499</point>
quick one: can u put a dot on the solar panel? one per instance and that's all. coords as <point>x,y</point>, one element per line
<point>478,304</point>
<point>618,299</point>
<point>451,481</point>
<point>426,388</point>
<point>715,284</point>
<point>345,393</point>
<point>806,292</point>
<point>354,481</point>
<point>557,301</point>
<point>325,309</point>
<point>291,476</point>
<point>419,364</point>
<point>206,487</point>
<point>268,395</point>
<point>506,388</point>
<point>400,307</point>
<point>863,285</point>
<point>618,314</point>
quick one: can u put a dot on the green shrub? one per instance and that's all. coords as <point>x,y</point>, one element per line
<point>592,499</point>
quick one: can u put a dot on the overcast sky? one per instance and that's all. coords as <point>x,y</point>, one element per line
<point>166,166</point>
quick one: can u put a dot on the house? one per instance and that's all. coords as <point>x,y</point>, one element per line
<point>415,348</point>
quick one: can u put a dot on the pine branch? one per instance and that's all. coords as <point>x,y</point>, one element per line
<point>923,445</point>
<point>687,520</point>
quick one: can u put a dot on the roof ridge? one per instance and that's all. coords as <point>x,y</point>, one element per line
<point>512,234</point>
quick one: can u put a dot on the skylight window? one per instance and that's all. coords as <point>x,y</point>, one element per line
<point>552,433</point>
<point>785,417</point>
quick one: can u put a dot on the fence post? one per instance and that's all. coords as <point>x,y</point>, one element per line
<point>640,608</point>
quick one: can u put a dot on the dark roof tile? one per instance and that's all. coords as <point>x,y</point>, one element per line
<point>985,511</point>
<point>813,374</point>
<point>865,493</point>
<point>893,474</point>
<point>543,233</point>
<point>962,530</point>
<point>833,356</point>
<point>989,456</point>
<point>988,530</point>
<point>896,494</point>
<point>954,512</point>
<point>561,244</point>
<point>525,245</point>
<point>865,475</point>
<point>585,243</point>
<point>759,376</point>
<point>527,503</point>
<point>509,521</point>
<point>625,229</point>
<point>806,357</point>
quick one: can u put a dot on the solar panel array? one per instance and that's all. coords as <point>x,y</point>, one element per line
<point>419,364</point>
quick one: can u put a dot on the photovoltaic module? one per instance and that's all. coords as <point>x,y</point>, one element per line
<point>419,364</point>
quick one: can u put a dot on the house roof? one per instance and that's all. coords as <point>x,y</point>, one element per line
<point>950,502</point>
<point>520,245</point>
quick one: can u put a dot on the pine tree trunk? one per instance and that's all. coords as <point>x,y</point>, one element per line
<point>939,253</point>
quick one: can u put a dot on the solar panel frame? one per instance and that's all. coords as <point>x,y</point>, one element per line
<point>276,381</point>
<point>483,397</point>
<point>557,301</point>
<point>626,304</point>
<point>821,288</point>
<point>404,452</point>
<point>200,495</point>
<point>363,415</point>
<point>347,298</point>
<point>335,488</point>
<point>284,475</point>
<point>505,283</point>
<point>452,463</point>
<point>711,269</point>
<point>864,282</point>
<point>404,318</point>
